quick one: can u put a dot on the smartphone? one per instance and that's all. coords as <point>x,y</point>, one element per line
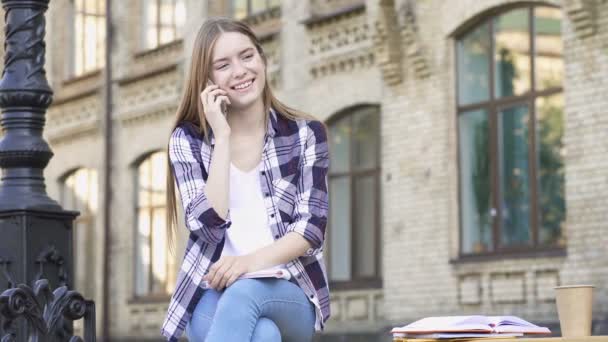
<point>224,105</point>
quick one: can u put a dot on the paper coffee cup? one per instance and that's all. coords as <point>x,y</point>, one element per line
<point>574,308</point>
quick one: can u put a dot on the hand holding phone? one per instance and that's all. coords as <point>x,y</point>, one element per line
<point>215,103</point>
<point>223,104</point>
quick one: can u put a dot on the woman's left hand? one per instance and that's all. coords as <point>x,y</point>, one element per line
<point>227,270</point>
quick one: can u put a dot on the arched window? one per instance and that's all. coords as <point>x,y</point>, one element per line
<point>153,266</point>
<point>353,234</point>
<point>510,127</point>
<point>79,191</point>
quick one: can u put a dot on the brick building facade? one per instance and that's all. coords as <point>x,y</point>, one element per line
<point>406,88</point>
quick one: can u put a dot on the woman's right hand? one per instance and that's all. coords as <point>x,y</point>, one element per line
<point>211,98</point>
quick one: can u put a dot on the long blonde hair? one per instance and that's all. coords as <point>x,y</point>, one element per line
<point>190,107</point>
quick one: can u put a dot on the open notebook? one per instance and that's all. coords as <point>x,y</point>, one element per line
<point>471,324</point>
<point>278,273</point>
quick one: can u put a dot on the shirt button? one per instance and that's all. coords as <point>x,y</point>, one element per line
<point>299,276</point>
<point>263,173</point>
<point>276,236</point>
<point>312,296</point>
<point>271,215</point>
<point>267,194</point>
<point>310,251</point>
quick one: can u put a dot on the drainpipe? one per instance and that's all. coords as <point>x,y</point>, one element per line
<point>107,174</point>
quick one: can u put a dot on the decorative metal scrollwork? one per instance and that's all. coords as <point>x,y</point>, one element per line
<point>4,269</point>
<point>47,314</point>
<point>50,255</point>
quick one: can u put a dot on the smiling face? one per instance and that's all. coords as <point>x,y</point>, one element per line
<point>238,68</point>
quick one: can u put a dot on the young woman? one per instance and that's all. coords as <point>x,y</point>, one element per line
<point>252,177</point>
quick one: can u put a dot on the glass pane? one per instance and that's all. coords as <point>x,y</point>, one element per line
<point>90,24</point>
<point>142,266</point>
<point>339,135</point>
<point>159,251</point>
<point>551,154</point>
<point>274,3</point>
<point>80,191</point>
<point>549,63</point>
<point>167,12</point>
<point>340,229</point>
<point>514,175</point>
<point>180,16</point>
<point>475,182</point>
<point>78,44</point>
<point>144,174</point>
<point>68,199</point>
<point>257,6</point>
<point>151,37</point>
<point>101,42</point>
<point>512,53</point>
<point>101,7</point>
<point>158,198</point>
<point>239,8</point>
<point>93,193</point>
<point>159,171</point>
<point>151,22</point>
<point>81,188</point>
<point>167,34</point>
<point>91,6</point>
<point>143,199</point>
<point>365,139</point>
<point>473,53</point>
<point>365,218</point>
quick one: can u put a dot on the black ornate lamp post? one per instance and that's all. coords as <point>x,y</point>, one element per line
<point>35,232</point>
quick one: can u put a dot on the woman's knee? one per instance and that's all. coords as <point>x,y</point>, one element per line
<point>266,330</point>
<point>241,292</point>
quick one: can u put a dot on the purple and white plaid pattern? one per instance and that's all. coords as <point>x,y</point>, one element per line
<point>293,176</point>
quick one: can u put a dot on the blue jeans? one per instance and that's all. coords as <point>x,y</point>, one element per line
<point>254,310</point>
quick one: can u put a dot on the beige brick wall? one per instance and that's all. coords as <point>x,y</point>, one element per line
<point>586,67</point>
<point>419,160</point>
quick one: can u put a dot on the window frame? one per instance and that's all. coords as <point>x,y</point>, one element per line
<point>149,295</point>
<point>249,13</point>
<point>493,106</point>
<point>85,218</point>
<point>72,72</point>
<point>376,280</point>
<point>157,26</point>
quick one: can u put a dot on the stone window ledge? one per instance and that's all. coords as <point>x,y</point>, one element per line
<point>319,18</point>
<point>528,254</point>
<point>162,49</point>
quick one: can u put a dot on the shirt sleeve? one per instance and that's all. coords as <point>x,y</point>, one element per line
<point>190,176</point>
<point>310,213</point>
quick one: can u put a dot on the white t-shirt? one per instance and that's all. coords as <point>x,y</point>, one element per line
<point>249,230</point>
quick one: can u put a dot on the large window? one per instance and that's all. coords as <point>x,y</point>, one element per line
<point>153,266</point>
<point>163,21</point>
<point>89,36</point>
<point>244,8</point>
<point>510,123</point>
<point>79,192</point>
<point>354,186</point>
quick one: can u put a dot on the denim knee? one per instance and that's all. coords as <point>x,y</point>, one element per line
<point>266,331</point>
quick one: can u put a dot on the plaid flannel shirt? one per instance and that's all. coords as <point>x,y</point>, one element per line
<point>295,162</point>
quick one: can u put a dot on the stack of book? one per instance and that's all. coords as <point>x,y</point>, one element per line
<point>466,328</point>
